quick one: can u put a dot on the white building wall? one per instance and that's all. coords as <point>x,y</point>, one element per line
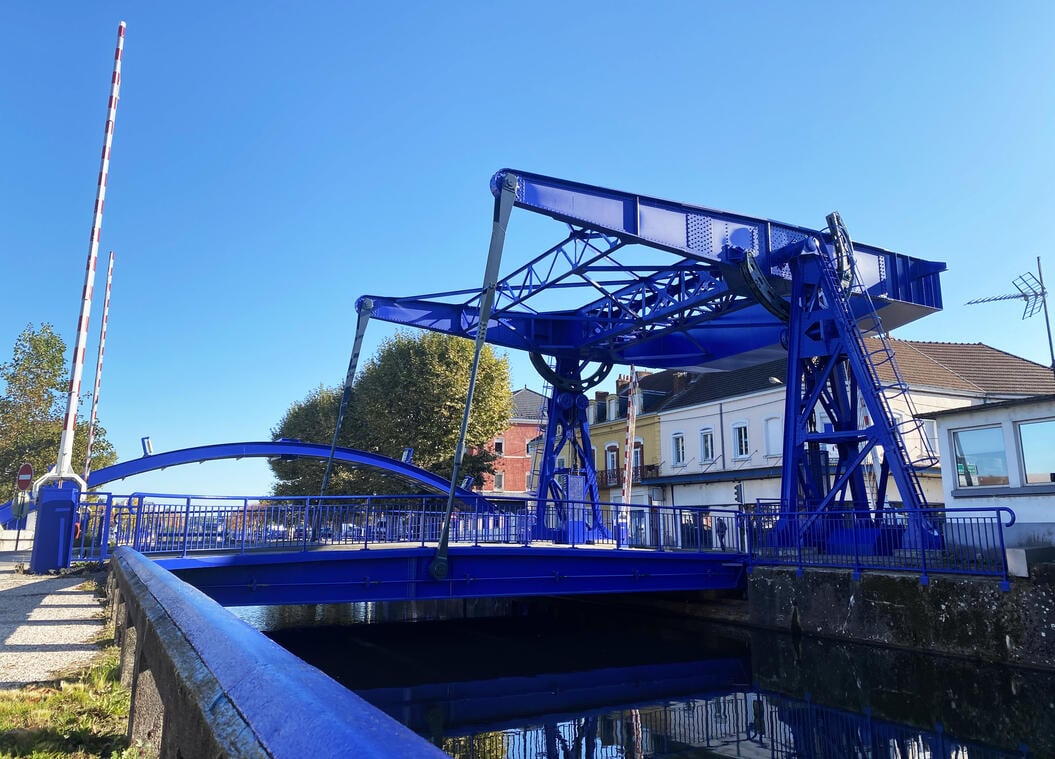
<point>753,410</point>
<point>1033,504</point>
<point>721,418</point>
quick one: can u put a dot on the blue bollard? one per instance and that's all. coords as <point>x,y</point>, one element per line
<point>53,541</point>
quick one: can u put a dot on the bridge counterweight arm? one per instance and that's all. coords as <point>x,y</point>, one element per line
<point>710,236</point>
<point>659,284</point>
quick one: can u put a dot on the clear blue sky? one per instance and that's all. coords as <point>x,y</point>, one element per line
<point>274,161</point>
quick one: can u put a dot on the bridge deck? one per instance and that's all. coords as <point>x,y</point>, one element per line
<point>279,550</point>
<point>399,572</point>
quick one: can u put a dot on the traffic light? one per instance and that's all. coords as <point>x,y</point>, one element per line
<point>738,492</point>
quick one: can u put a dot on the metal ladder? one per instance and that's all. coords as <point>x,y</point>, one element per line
<point>874,352</point>
<point>540,450</point>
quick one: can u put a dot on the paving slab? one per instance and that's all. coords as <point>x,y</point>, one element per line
<point>48,623</point>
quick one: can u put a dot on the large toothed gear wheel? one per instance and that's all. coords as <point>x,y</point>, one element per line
<point>577,384</point>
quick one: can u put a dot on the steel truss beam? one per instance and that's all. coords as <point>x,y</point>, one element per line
<point>568,431</point>
<point>660,284</point>
<point>653,282</point>
<point>829,368</point>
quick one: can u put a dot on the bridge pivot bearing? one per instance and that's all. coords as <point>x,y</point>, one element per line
<point>572,381</point>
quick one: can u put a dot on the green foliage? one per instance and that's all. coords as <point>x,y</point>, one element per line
<point>411,394</point>
<point>85,715</point>
<point>311,420</point>
<point>32,405</point>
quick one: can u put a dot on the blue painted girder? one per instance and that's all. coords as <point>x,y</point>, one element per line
<point>654,283</point>
<point>401,574</point>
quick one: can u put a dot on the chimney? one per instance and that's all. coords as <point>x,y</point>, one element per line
<point>681,381</point>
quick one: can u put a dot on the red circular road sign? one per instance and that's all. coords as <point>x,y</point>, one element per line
<point>25,476</point>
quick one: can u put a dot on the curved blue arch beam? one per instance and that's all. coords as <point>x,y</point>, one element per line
<point>269,449</point>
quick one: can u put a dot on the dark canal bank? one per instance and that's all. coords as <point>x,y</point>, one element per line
<point>560,679</point>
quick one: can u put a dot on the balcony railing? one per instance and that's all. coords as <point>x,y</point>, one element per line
<point>614,477</point>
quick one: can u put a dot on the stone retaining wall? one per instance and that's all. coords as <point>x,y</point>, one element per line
<point>973,701</point>
<point>960,616</point>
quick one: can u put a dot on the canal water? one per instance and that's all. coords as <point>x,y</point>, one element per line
<point>576,679</point>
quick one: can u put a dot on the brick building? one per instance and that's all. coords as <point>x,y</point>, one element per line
<point>513,467</point>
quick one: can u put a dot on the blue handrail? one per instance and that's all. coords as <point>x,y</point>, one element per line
<point>965,541</point>
<point>968,541</point>
<point>168,523</point>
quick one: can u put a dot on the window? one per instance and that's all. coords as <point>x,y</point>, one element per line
<point>611,464</point>
<point>637,457</point>
<point>678,449</point>
<point>980,457</point>
<point>1037,441</point>
<point>741,442</point>
<point>930,432</point>
<point>500,480</point>
<point>707,444</point>
<point>774,436</point>
<point>500,446</point>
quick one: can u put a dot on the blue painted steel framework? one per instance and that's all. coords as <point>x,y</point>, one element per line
<point>401,574</point>
<point>671,285</point>
<point>263,550</point>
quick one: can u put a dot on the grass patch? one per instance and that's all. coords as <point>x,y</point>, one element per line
<point>80,716</point>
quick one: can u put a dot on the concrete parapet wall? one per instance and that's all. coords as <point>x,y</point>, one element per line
<point>206,684</point>
<point>965,616</point>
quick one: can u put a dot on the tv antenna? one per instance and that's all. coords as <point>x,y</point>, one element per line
<point>1031,290</point>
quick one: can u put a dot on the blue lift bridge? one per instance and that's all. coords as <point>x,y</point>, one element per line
<point>666,285</point>
<point>631,279</point>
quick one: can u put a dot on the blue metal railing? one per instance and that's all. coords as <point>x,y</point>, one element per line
<point>968,541</point>
<point>167,524</point>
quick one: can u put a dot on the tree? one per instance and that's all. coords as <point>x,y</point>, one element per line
<point>311,420</point>
<point>411,394</point>
<point>32,407</point>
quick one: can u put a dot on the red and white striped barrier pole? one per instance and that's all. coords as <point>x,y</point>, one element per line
<point>99,367</point>
<point>64,465</point>
<point>628,455</point>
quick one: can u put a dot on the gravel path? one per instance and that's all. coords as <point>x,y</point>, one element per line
<point>46,623</point>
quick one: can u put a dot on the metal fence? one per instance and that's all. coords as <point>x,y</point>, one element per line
<point>954,541</point>
<point>159,523</point>
<point>925,541</point>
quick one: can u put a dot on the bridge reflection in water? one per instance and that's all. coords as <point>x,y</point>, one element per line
<point>492,689</point>
<point>742,724</point>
